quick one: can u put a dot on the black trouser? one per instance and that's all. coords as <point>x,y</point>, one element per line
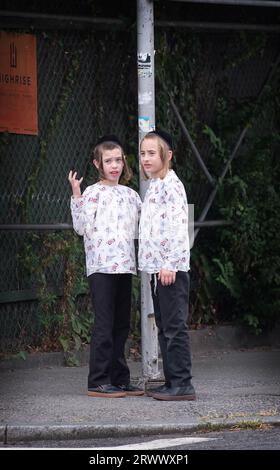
<point>111,299</point>
<point>171,305</point>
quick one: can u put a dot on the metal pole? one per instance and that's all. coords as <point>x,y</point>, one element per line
<point>62,21</point>
<point>250,3</point>
<point>221,26</point>
<point>65,226</point>
<point>35,227</point>
<point>146,122</point>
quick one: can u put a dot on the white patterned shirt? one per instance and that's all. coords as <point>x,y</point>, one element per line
<point>107,217</point>
<point>163,231</point>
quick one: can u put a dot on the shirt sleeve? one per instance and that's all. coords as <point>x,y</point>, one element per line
<point>176,248</point>
<point>138,206</point>
<point>82,211</point>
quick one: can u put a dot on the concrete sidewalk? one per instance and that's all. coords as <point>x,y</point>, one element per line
<point>50,402</point>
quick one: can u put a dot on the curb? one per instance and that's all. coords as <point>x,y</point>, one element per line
<point>25,433</point>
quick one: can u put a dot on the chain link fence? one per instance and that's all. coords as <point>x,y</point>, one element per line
<point>83,92</point>
<point>87,86</point>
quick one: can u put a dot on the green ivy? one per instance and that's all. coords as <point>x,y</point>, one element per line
<point>59,314</point>
<point>235,269</point>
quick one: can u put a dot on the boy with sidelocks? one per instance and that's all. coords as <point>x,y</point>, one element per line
<point>164,253</point>
<point>106,215</point>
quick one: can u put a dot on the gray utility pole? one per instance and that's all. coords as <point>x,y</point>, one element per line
<point>146,123</point>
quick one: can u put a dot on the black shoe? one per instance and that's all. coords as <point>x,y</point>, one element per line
<point>106,391</point>
<point>186,392</point>
<point>159,389</point>
<point>131,390</point>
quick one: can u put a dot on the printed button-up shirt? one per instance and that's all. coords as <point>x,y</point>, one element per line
<point>163,231</point>
<point>107,217</point>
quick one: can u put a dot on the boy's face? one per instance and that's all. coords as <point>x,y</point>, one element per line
<point>151,161</point>
<point>112,162</point>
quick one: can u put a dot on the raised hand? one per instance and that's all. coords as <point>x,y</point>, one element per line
<point>75,183</point>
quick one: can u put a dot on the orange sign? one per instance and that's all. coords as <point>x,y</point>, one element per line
<point>18,84</point>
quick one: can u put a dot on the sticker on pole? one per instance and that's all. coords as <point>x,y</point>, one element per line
<point>145,98</point>
<point>144,123</point>
<point>144,65</point>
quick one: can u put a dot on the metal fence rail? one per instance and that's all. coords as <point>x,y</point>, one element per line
<point>86,87</point>
<point>83,92</point>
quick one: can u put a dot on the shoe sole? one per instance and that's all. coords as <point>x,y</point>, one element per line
<point>151,393</point>
<point>107,395</point>
<point>157,396</point>
<point>137,393</point>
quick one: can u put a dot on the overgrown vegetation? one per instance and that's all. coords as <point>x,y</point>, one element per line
<point>55,262</point>
<point>235,269</point>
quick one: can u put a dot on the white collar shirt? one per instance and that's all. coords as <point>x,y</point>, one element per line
<point>107,218</point>
<point>163,230</point>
